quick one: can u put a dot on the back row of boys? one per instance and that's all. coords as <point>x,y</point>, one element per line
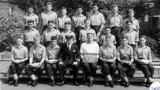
<point>86,32</point>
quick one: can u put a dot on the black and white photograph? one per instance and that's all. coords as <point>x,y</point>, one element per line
<point>79,44</point>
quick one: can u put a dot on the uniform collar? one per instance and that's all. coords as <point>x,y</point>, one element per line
<point>30,14</point>
<point>48,12</point>
<point>117,15</point>
<point>55,47</point>
<point>39,46</point>
<point>19,47</point>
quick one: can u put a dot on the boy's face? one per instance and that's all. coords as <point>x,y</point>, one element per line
<point>67,26</point>
<point>90,37</point>
<point>115,9</point>
<point>30,10</point>
<point>87,23</point>
<point>63,12</point>
<point>79,10</point>
<point>30,24</point>
<point>54,42</point>
<point>49,7</point>
<point>142,41</point>
<point>95,8</point>
<point>51,25</point>
<point>19,42</point>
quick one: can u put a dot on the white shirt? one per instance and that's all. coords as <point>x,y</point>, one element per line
<point>30,17</point>
<point>62,20</point>
<point>97,19</point>
<point>48,16</point>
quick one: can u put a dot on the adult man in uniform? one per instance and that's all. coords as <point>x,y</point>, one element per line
<point>69,54</point>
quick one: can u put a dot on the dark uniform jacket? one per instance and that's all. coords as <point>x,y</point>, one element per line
<point>69,54</point>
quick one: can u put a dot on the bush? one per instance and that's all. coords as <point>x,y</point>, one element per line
<point>10,28</point>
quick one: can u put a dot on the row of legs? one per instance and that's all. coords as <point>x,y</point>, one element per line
<point>89,69</point>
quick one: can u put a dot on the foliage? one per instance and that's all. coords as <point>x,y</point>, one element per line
<point>10,28</point>
<point>86,4</point>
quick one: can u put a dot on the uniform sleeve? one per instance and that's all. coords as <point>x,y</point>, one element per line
<point>115,52</point>
<point>26,52</point>
<point>114,40</point>
<point>44,52</point>
<point>150,55</point>
<point>103,19</point>
<point>118,53</point>
<point>131,50</point>
<point>74,37</point>
<point>100,52</point>
<point>137,26</point>
<point>137,39</point>
<point>136,53</point>
<point>31,53</point>
<point>108,20</point>
<point>47,53</point>
<point>121,21</point>
<point>12,53</point>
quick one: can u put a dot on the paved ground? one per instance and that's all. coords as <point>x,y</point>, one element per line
<point>71,87</point>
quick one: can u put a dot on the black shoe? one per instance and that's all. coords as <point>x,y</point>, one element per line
<point>62,83</point>
<point>53,83</point>
<point>127,83</point>
<point>34,83</point>
<point>76,83</point>
<point>30,82</point>
<point>16,83</point>
<point>106,83</point>
<point>148,83</point>
<point>11,82</point>
<point>111,84</point>
<point>122,82</point>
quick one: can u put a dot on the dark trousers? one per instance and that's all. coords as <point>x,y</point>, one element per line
<point>116,31</point>
<point>51,69</point>
<point>108,68</point>
<point>90,69</point>
<point>125,69</point>
<point>77,32</point>
<point>148,70</point>
<point>28,44</point>
<point>46,44</point>
<point>66,64</point>
<point>34,71</point>
<point>96,28</point>
<point>17,68</point>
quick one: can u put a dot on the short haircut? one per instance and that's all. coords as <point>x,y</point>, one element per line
<point>114,5</point>
<point>48,3</point>
<point>30,6</point>
<point>67,23</point>
<point>51,21</point>
<point>95,5</point>
<point>87,20</point>
<point>130,10</point>
<point>37,38</point>
<point>19,38</point>
<point>127,22</point>
<point>64,8</point>
<point>30,21</point>
<point>143,36</point>
<point>107,28</point>
<point>79,7</point>
<point>124,38</point>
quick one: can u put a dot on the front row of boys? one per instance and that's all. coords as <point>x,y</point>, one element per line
<point>56,57</point>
